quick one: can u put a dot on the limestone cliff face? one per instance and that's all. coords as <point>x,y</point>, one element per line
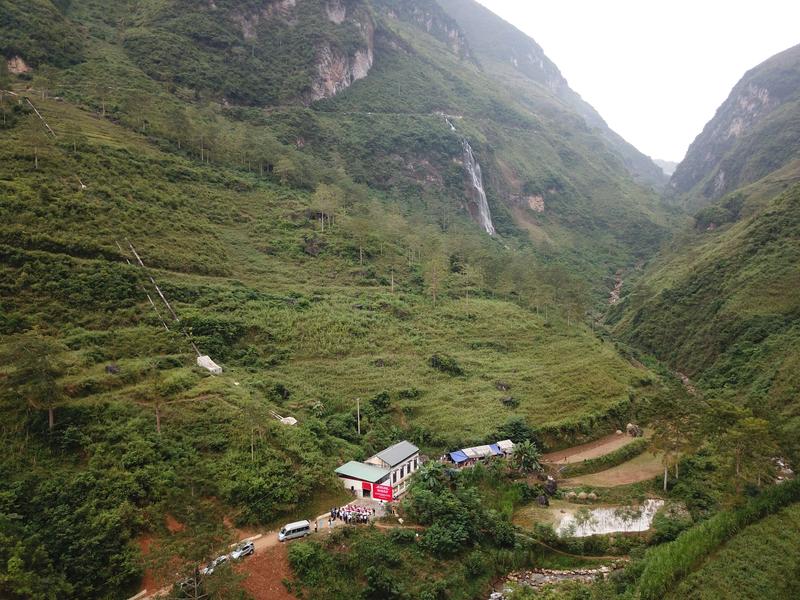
<point>336,69</point>
<point>428,15</point>
<point>338,63</point>
<point>754,132</point>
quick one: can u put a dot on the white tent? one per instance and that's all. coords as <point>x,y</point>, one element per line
<point>209,365</point>
<point>506,446</point>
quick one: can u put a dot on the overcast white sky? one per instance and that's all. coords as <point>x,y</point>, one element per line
<point>655,71</point>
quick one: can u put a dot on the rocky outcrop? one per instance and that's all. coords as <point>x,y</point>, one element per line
<point>541,578</point>
<point>753,133</point>
<point>428,15</point>
<point>17,66</point>
<point>336,71</point>
<point>536,203</point>
<point>336,11</point>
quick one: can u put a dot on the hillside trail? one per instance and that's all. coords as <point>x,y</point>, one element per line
<point>595,449</point>
<point>640,468</point>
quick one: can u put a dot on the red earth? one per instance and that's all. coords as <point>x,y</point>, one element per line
<point>266,571</point>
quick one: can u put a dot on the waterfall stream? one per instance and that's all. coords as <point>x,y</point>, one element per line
<point>474,170</point>
<point>484,215</point>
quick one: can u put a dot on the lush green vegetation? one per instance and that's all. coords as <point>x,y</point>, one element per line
<point>665,565</point>
<point>722,308</point>
<point>272,297</point>
<point>756,563</point>
<point>467,541</point>
<point>324,256</point>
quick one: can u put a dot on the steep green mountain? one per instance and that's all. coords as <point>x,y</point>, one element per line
<point>720,304</point>
<point>286,172</point>
<point>755,132</point>
<point>510,55</point>
<point>564,186</point>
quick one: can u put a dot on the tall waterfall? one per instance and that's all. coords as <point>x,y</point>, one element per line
<point>484,215</point>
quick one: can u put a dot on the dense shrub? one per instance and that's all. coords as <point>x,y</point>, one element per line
<point>445,364</point>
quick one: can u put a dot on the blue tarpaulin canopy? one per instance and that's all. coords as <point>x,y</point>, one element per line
<point>495,450</point>
<point>458,457</point>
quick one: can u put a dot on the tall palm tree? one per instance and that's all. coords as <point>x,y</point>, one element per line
<point>527,457</point>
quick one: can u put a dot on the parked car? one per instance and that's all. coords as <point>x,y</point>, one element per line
<point>243,550</point>
<point>294,530</point>
<point>209,569</point>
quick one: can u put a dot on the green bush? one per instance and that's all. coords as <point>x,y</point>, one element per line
<point>445,364</point>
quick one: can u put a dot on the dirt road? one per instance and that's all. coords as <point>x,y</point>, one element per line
<point>643,467</point>
<point>595,449</point>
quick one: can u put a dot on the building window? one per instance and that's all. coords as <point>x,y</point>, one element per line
<point>415,463</point>
<point>394,477</point>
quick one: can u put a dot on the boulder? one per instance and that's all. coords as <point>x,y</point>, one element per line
<point>592,496</point>
<point>633,430</point>
<point>583,496</point>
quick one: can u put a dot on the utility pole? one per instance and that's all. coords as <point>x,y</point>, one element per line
<point>358,413</point>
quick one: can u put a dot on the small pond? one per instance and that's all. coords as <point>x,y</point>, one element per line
<point>599,521</point>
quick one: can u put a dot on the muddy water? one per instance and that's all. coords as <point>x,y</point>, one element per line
<point>599,521</point>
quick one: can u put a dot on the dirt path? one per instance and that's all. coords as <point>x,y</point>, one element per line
<point>594,449</point>
<point>266,572</point>
<point>643,467</point>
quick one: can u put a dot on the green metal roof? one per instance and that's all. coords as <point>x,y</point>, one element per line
<point>362,471</point>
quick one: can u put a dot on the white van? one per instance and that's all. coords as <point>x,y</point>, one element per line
<point>294,530</point>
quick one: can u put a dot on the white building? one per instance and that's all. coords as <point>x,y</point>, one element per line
<point>383,476</point>
<point>365,481</point>
<point>401,460</point>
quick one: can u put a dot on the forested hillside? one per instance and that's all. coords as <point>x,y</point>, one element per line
<point>287,175</point>
<point>720,304</point>
<point>387,220</point>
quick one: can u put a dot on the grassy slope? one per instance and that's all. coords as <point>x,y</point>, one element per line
<point>759,562</point>
<point>229,250</point>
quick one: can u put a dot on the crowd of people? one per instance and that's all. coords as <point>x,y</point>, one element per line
<point>352,514</point>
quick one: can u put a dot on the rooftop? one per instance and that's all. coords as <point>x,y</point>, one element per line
<point>396,454</point>
<point>362,471</point>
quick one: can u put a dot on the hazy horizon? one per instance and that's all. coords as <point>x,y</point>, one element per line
<point>652,75</point>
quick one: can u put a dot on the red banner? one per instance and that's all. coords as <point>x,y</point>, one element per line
<point>382,492</point>
<point>366,486</point>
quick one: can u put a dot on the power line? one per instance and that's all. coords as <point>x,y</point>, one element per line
<point>163,298</point>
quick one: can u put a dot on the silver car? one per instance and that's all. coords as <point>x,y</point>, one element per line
<point>243,550</point>
<point>209,569</point>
